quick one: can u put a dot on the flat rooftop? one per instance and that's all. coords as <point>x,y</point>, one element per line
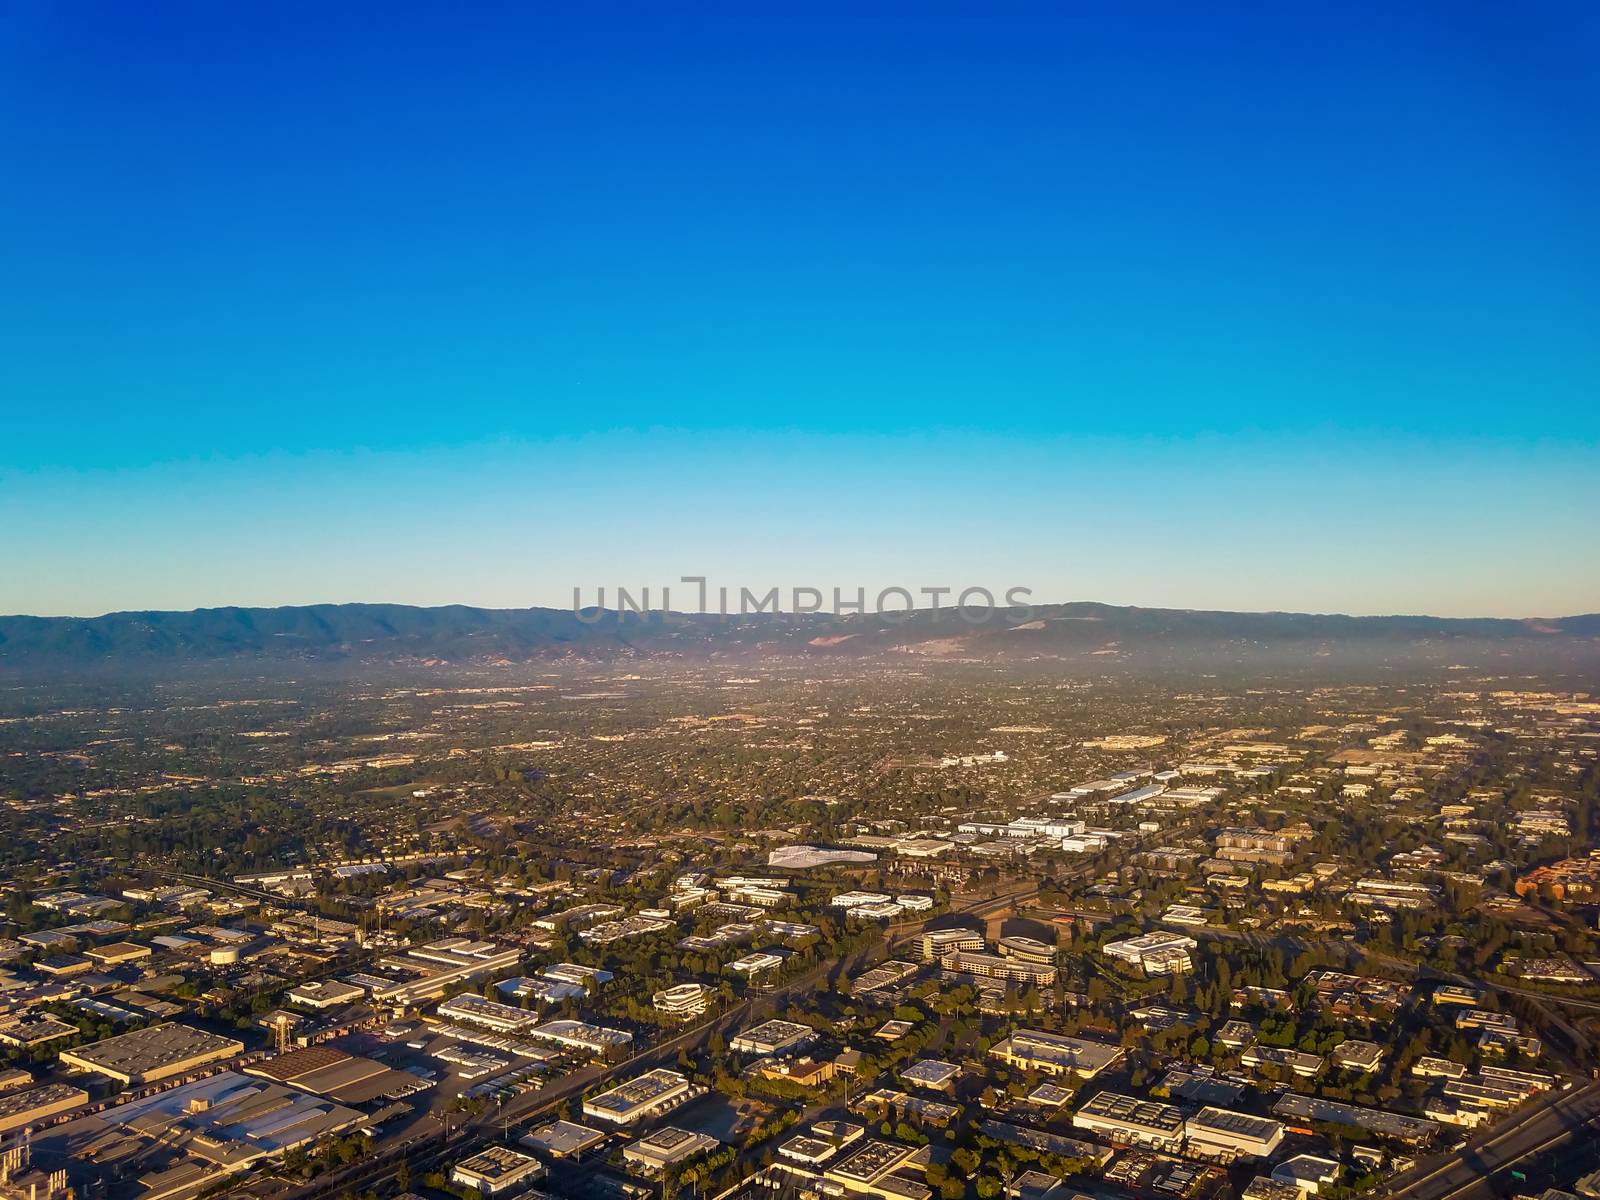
<point>872,1160</point>
<point>1069,1053</point>
<point>1227,1121</point>
<point>931,1072</point>
<point>1389,1124</point>
<point>18,1104</point>
<point>298,1062</point>
<point>1133,1112</point>
<point>668,1138</point>
<point>498,1163</point>
<point>231,1120</point>
<point>562,1138</point>
<point>652,1085</point>
<point>151,1051</point>
<point>776,1031</point>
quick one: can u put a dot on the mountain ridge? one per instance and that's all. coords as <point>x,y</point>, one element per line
<point>359,632</point>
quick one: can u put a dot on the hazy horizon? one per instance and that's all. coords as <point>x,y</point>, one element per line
<point>785,609</point>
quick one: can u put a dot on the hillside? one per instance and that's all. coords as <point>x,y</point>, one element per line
<point>1092,634</point>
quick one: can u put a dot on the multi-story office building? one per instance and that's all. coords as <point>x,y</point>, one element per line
<point>993,966</point>
<point>936,943</point>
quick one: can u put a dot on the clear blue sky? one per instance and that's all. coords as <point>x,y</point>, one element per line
<point>1222,305</point>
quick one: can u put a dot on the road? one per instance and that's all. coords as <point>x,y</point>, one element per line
<point>1470,1173</point>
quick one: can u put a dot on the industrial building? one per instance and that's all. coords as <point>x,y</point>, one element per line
<point>1388,1124</point>
<point>325,993</point>
<point>540,991</point>
<point>667,1147</point>
<point>475,1010</point>
<point>34,1029</point>
<point>932,1074</point>
<point>1132,1121</point>
<point>438,965</point>
<point>347,1078</point>
<point>36,1104</point>
<point>649,1095</point>
<point>773,1037</point>
<point>564,1139</point>
<point>588,978</point>
<point>157,1052</point>
<point>580,1035</point>
<point>1302,1064</point>
<point>226,1122</point>
<point>1308,1172</point>
<point>497,1171</point>
<point>886,1170</point>
<point>1222,1133</point>
<point>1263,1187</point>
<point>118,954</point>
<point>827,1140</point>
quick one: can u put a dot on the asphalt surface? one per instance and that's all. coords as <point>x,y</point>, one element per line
<point>1482,1167</point>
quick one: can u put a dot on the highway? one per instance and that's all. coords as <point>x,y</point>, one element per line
<point>1470,1173</point>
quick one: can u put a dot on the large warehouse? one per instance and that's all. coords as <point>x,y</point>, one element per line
<point>1132,1121</point>
<point>648,1095</point>
<point>35,1104</point>
<point>158,1052</point>
<point>206,1130</point>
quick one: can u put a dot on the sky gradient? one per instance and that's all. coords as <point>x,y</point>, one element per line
<point>1239,305</point>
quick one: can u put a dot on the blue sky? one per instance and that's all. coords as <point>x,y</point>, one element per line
<point>1236,305</point>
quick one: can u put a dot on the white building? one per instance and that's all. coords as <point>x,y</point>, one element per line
<point>649,1095</point>
<point>667,1147</point>
<point>755,964</point>
<point>1307,1172</point>
<point>888,910</point>
<point>856,899</point>
<point>773,1037</point>
<point>1221,1133</point>
<point>1056,1053</point>
<point>1085,843</point>
<point>683,1000</point>
<point>497,1171</point>
<point>1160,953</point>
<point>1050,827</point>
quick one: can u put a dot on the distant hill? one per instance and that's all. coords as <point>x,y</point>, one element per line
<point>1087,634</point>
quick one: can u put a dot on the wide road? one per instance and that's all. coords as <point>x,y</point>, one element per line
<point>1471,1173</point>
